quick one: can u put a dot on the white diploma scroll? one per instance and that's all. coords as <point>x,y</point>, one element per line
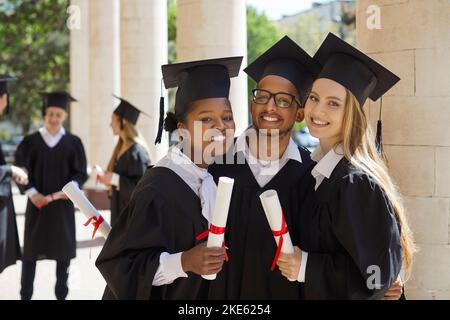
<point>220,215</point>
<point>99,171</point>
<point>81,202</point>
<point>274,214</point>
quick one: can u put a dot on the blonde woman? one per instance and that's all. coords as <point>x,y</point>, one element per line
<point>129,160</point>
<point>353,235</point>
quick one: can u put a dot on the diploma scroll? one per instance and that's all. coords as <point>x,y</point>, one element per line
<point>81,202</point>
<point>220,215</point>
<point>275,217</point>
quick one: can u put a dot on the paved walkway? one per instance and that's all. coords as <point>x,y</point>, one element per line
<point>85,281</point>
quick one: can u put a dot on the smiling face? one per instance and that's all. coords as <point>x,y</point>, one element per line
<point>54,118</point>
<point>210,120</point>
<point>324,111</point>
<point>269,116</point>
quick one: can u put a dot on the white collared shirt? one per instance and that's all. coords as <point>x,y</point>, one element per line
<point>51,141</point>
<point>326,163</point>
<point>202,183</point>
<point>265,170</point>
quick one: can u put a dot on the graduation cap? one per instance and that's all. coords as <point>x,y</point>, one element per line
<point>59,99</point>
<point>4,79</point>
<point>196,80</point>
<point>361,75</point>
<point>287,60</point>
<point>126,110</point>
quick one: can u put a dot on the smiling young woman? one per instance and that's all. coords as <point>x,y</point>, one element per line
<point>353,233</point>
<point>152,252</point>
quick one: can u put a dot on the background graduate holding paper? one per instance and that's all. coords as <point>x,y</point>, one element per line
<point>52,157</point>
<point>129,160</point>
<point>9,239</point>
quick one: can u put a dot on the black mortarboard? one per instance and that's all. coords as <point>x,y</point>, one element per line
<point>4,79</point>
<point>198,80</point>
<point>60,99</point>
<point>127,111</point>
<point>287,60</point>
<point>361,75</point>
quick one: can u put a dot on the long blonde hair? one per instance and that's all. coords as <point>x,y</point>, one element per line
<point>132,135</point>
<point>358,143</point>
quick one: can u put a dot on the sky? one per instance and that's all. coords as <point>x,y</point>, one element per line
<point>275,9</point>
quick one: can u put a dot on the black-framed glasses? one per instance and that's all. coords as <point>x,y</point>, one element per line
<point>282,99</point>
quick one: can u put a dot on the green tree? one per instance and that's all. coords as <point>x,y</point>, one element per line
<point>34,46</point>
<point>261,35</point>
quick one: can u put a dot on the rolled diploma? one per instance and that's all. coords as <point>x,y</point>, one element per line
<point>99,170</point>
<point>220,214</point>
<point>272,208</point>
<point>81,202</point>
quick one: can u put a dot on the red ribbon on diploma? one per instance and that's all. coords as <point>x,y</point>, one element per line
<point>96,222</point>
<point>279,233</point>
<point>214,230</point>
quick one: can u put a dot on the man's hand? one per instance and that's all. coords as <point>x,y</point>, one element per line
<point>289,264</point>
<point>19,175</point>
<point>202,260</point>
<point>395,291</point>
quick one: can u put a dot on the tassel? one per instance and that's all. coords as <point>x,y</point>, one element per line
<point>378,139</point>
<point>161,117</point>
<point>161,121</point>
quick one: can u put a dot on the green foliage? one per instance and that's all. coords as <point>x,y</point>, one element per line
<point>172,25</point>
<point>261,35</point>
<point>34,46</point>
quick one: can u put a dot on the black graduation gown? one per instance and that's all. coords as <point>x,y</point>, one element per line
<point>252,247</point>
<point>346,226</point>
<point>164,215</point>
<point>131,166</point>
<point>9,238</point>
<point>50,231</point>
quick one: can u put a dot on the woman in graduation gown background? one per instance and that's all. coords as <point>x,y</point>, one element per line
<point>52,157</point>
<point>129,160</point>
<point>153,251</point>
<point>353,235</point>
<point>9,239</point>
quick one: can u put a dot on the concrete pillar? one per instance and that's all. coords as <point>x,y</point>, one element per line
<point>416,121</point>
<point>95,76</point>
<point>212,29</point>
<point>143,47</point>
<point>79,71</point>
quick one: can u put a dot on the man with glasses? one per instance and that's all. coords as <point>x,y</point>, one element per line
<point>265,157</point>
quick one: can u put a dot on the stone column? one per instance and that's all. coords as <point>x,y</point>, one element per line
<point>79,71</point>
<point>414,42</point>
<point>95,75</point>
<point>143,47</point>
<point>212,29</point>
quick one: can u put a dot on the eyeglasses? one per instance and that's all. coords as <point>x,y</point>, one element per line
<point>282,99</point>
